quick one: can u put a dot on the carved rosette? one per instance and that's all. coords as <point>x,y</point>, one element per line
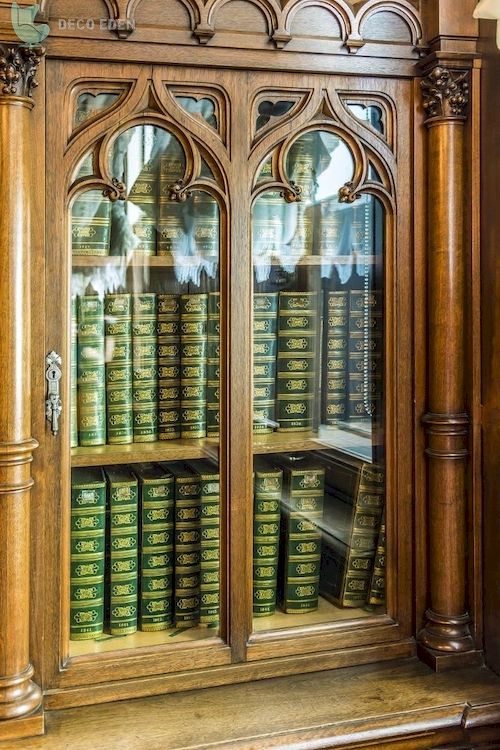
<point>445,93</point>
<point>18,68</point>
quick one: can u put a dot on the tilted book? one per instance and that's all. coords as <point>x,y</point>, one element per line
<point>88,519</point>
<point>297,360</point>
<point>187,544</point>
<point>169,367</point>
<point>194,346</point>
<point>145,368</point>
<point>301,519</point>
<point>118,329</point>
<point>354,500</point>
<point>210,527</point>
<point>91,369</point>
<point>265,345</point>
<point>268,485</point>
<point>156,552</point>
<point>122,549</point>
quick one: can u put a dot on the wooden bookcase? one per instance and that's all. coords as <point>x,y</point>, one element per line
<point>416,63</point>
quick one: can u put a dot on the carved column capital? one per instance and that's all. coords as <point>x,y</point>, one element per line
<point>18,68</point>
<point>445,94</point>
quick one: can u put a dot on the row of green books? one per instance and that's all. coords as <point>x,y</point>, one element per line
<point>318,531</point>
<point>298,353</point>
<point>150,221</point>
<point>145,367</point>
<point>145,548</point>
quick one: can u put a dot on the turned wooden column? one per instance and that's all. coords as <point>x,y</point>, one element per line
<point>19,696</point>
<point>446,633</point>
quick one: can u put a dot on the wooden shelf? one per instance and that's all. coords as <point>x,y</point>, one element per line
<point>327,437</point>
<point>163,450</point>
<point>139,261</point>
<point>326,613</point>
<point>109,643</point>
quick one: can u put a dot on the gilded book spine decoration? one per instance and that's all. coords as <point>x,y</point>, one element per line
<point>169,367</point>
<point>91,224</point>
<point>268,483</point>
<point>265,345</point>
<point>88,517</point>
<point>144,196</point>
<point>194,312</point>
<point>297,351</point>
<point>91,370</point>
<point>187,548</point>
<point>206,225</point>
<point>365,360</point>
<point>156,493</point>
<point>335,353</point>
<point>213,365</point>
<point>301,516</point>
<point>210,542</point>
<point>74,374</point>
<point>122,543</point>
<point>377,588</point>
<point>118,327</point>
<point>145,368</point>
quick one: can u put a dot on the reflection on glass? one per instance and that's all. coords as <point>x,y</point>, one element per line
<point>318,395</point>
<point>204,108</point>
<point>145,404</point>
<point>373,114</point>
<point>88,105</point>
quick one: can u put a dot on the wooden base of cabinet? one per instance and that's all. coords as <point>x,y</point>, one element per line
<point>441,661</point>
<point>400,705</point>
<point>27,726</point>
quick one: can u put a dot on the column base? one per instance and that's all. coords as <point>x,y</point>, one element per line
<point>27,726</point>
<point>442,661</point>
<point>19,696</point>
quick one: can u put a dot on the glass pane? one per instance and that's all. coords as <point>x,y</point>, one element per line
<point>373,114</point>
<point>203,108</point>
<point>145,405</point>
<point>272,110</point>
<point>88,105</point>
<point>318,396</point>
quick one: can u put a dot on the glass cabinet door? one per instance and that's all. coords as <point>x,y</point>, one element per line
<point>145,405</point>
<point>318,387</point>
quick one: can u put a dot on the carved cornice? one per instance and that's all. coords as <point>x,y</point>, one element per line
<point>445,94</point>
<point>18,68</point>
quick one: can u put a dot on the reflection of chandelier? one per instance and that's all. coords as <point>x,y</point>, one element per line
<point>489,9</point>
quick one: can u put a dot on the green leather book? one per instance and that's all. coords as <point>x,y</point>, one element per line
<point>122,550</point>
<point>144,196</point>
<point>171,222</point>
<point>210,574</point>
<point>265,339</point>
<point>118,329</point>
<point>377,587</point>
<point>145,368</point>
<point>169,367</point>
<point>74,374</point>
<point>187,544</point>
<point>213,365</point>
<point>88,518</point>
<point>365,365</point>
<point>91,369</point>
<point>156,503</point>
<point>354,501</point>
<point>335,355</point>
<point>297,360</point>
<point>194,350</point>
<point>268,485</point>
<point>90,224</point>
<point>206,224</point>
<point>301,519</point>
